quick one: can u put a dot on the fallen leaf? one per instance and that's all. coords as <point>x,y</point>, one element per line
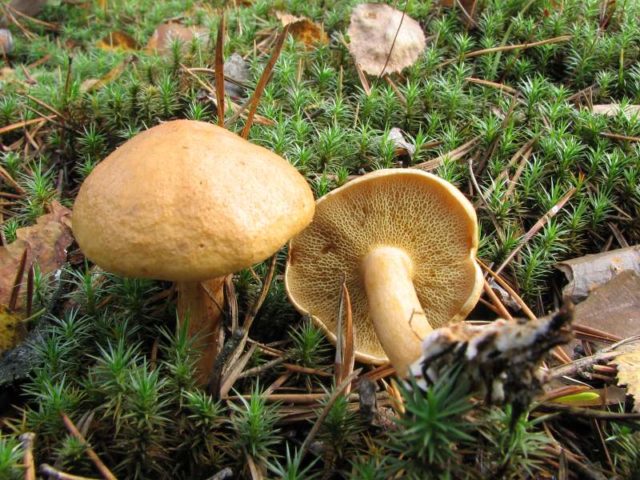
<point>589,272</point>
<point>31,8</point>
<point>118,41</point>
<point>628,364</point>
<point>91,84</point>
<point>384,40</point>
<point>167,33</point>
<point>11,332</point>
<point>46,243</point>
<point>613,308</point>
<point>403,147</point>
<point>613,109</point>
<point>237,70</point>
<point>303,29</point>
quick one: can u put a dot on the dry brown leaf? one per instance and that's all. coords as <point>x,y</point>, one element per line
<point>91,84</point>
<point>46,243</point>
<point>383,39</point>
<point>613,109</point>
<point>629,374</point>
<point>10,332</point>
<point>167,33</point>
<point>118,41</point>
<point>591,271</point>
<point>303,29</point>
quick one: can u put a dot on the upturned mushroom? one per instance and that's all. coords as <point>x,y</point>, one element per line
<point>405,243</point>
<point>190,202</point>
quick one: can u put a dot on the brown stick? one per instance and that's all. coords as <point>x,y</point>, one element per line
<point>27,458</point>
<point>104,471</point>
<point>325,411</point>
<point>51,472</point>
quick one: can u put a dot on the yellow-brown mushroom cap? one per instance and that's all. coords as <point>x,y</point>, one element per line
<point>188,201</point>
<point>418,212</point>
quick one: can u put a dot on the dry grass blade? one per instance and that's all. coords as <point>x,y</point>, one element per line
<point>502,310</point>
<point>453,155</point>
<point>23,124</point>
<point>264,79</point>
<point>593,334</point>
<point>310,371</point>
<point>378,373</point>
<point>254,470</point>
<point>248,321</point>
<point>104,471</point>
<point>234,373</point>
<point>496,85</point>
<point>616,136</point>
<point>525,308</point>
<point>345,351</point>
<point>9,179</point>
<point>508,48</point>
<point>536,228</point>
<point>325,411</point>
<point>220,70</point>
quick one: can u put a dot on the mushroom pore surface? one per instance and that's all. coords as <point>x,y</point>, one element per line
<point>414,211</point>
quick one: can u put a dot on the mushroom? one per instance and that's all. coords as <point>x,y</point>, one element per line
<point>190,202</point>
<point>404,241</point>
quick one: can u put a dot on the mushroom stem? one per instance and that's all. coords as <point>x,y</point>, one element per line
<point>394,308</point>
<point>202,303</point>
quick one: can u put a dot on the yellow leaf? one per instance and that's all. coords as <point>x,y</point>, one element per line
<point>303,30</point>
<point>10,331</point>
<point>91,84</point>
<point>582,399</point>
<point>118,41</point>
<point>629,373</point>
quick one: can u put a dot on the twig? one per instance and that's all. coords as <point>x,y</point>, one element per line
<point>309,371</point>
<point>507,48</point>
<point>220,70</point>
<point>23,124</point>
<point>259,369</point>
<point>27,458</point>
<point>51,472</point>
<point>589,413</point>
<point>234,372</point>
<point>496,85</point>
<point>395,37</point>
<point>104,471</point>
<point>617,136</point>
<point>525,308</point>
<point>253,311</point>
<point>455,154</point>
<point>264,79</point>
<point>536,228</point>
<point>503,312</point>
<point>325,411</point>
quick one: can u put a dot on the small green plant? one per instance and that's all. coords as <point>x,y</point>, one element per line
<point>309,346</point>
<point>432,429</point>
<point>11,467</point>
